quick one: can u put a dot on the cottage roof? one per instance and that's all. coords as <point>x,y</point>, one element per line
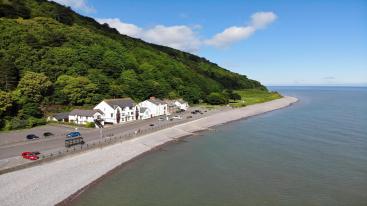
<point>143,109</point>
<point>156,101</point>
<point>61,116</point>
<point>182,101</point>
<point>170,103</point>
<point>122,103</point>
<point>85,113</point>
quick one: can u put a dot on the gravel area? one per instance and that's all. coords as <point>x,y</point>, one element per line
<point>52,182</point>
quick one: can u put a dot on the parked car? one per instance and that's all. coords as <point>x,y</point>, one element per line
<point>47,134</point>
<point>177,117</point>
<point>30,155</point>
<point>151,125</point>
<point>161,119</point>
<point>189,117</point>
<point>32,136</point>
<point>73,134</point>
<point>74,141</point>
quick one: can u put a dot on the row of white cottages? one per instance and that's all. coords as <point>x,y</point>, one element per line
<point>117,111</point>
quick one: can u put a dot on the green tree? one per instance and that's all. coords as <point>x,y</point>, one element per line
<point>6,102</point>
<point>231,95</point>
<point>191,94</point>
<point>216,98</point>
<point>34,86</point>
<point>30,109</point>
<point>8,74</point>
<point>77,90</point>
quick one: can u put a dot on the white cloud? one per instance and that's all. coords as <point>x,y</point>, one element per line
<point>179,37</point>
<point>262,19</point>
<point>186,38</point>
<point>233,34</point>
<point>77,4</point>
<point>124,28</point>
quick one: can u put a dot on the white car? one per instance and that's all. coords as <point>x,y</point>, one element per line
<point>161,119</point>
<point>177,117</point>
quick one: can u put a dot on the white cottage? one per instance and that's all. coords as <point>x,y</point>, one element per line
<point>181,104</point>
<point>59,117</point>
<point>144,113</point>
<point>117,111</point>
<point>156,106</point>
<point>80,116</point>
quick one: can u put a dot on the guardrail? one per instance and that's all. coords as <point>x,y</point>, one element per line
<point>108,139</point>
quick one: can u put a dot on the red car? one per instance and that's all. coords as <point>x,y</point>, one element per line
<point>30,155</point>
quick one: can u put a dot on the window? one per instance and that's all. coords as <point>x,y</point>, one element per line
<point>111,114</point>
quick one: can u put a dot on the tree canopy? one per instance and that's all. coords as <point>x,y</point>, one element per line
<point>51,55</point>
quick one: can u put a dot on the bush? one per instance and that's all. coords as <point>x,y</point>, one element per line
<point>29,110</point>
<point>15,123</point>
<point>90,125</point>
<point>216,98</point>
<point>32,122</point>
<point>231,95</point>
<point>18,123</point>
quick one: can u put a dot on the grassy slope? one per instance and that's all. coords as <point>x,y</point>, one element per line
<point>254,96</point>
<point>190,69</point>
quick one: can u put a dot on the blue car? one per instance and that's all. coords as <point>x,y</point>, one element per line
<point>73,134</point>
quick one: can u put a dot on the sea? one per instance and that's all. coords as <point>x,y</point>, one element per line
<point>313,153</point>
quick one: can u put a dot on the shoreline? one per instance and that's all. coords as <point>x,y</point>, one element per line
<point>71,175</point>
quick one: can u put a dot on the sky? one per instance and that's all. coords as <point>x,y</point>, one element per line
<point>278,42</point>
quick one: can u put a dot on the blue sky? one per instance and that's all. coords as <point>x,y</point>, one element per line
<point>277,42</point>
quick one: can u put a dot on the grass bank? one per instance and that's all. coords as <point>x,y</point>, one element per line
<point>253,96</point>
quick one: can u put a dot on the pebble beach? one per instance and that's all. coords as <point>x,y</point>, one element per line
<point>52,182</point>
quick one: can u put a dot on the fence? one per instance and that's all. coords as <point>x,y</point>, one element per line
<point>109,139</point>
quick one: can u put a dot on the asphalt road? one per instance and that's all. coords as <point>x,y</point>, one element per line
<point>57,141</point>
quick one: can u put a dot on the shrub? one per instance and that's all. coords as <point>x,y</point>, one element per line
<point>15,123</point>
<point>90,125</point>
<point>216,98</point>
<point>30,109</point>
<point>32,122</point>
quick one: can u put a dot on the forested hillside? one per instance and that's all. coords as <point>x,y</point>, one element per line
<point>50,55</point>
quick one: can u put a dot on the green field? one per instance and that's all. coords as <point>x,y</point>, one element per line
<point>254,96</point>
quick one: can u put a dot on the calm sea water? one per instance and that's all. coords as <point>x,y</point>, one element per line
<point>313,153</point>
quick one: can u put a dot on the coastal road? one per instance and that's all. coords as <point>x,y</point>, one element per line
<point>45,144</point>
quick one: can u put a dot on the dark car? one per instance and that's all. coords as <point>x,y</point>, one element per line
<point>189,117</point>
<point>73,134</point>
<point>74,141</point>
<point>32,136</point>
<point>47,134</point>
<point>151,125</point>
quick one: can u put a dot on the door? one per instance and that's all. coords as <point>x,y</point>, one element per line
<point>136,113</point>
<point>118,116</point>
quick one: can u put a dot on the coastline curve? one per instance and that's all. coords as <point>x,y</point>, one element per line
<point>70,175</point>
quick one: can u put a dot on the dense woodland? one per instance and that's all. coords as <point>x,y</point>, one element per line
<point>50,55</point>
